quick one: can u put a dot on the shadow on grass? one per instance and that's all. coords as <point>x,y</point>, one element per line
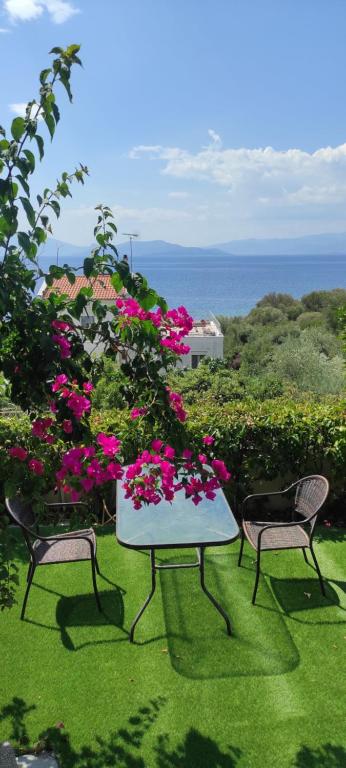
<point>198,644</point>
<point>324,533</point>
<point>80,612</point>
<point>124,746</point>
<point>326,756</point>
<point>304,595</point>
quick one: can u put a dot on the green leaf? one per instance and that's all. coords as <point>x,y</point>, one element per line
<point>56,49</point>
<point>71,277</point>
<point>30,213</point>
<point>40,235</point>
<point>56,207</point>
<point>24,241</point>
<point>64,79</point>
<point>50,123</point>
<point>88,266</point>
<point>40,144</point>
<point>30,158</point>
<point>4,190</point>
<point>117,282</point>
<point>149,300</point>
<point>24,184</point>
<point>44,74</point>
<point>56,112</point>
<point>18,128</point>
<point>72,49</point>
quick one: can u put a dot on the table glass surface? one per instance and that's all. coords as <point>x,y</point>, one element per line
<point>179,523</point>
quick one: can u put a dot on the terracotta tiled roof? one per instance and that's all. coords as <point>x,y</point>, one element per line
<point>102,287</point>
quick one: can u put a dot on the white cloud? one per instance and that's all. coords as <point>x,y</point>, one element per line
<point>262,176</point>
<point>28,10</point>
<point>19,108</point>
<point>4,31</point>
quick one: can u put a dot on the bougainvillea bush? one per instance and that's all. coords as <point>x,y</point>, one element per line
<point>43,352</point>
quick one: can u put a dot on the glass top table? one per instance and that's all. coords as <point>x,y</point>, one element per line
<point>175,525</point>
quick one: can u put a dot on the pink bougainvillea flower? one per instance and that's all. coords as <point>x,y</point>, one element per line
<point>75,495</point>
<point>53,406</point>
<point>39,427</point>
<point>187,454</point>
<point>18,453</point>
<point>114,470</point>
<point>87,484</point>
<point>36,466</point>
<point>64,345</point>
<point>220,470</point>
<point>61,474</point>
<point>136,412</point>
<point>88,386</point>
<point>157,444</point>
<point>59,382</point>
<point>67,426</point>
<point>109,444</point>
<point>78,404</point>
<point>208,440</point>
<point>169,452</point>
<point>60,325</point>
<point>202,458</point>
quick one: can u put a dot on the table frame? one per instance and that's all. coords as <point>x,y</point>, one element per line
<point>198,564</point>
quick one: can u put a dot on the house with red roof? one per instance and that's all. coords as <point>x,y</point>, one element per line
<point>205,338</point>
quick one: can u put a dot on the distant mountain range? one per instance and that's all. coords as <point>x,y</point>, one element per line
<point>57,251</point>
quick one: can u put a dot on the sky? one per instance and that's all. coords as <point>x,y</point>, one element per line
<point>201,121</point>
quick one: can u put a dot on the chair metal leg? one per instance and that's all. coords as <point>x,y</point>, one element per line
<point>97,566</point>
<point>258,562</point>
<point>241,547</point>
<point>29,571</point>
<point>305,556</point>
<point>318,570</point>
<point>93,571</point>
<point>30,577</point>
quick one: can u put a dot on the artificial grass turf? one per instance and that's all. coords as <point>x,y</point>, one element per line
<point>185,694</point>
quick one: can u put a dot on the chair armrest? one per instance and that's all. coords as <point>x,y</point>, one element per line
<point>265,495</point>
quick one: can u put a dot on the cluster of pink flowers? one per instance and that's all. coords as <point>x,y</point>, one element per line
<point>60,339</point>
<point>173,325</point>
<point>40,428</point>
<point>176,403</point>
<point>76,401</point>
<point>35,465</point>
<point>157,474</point>
<point>177,324</point>
<point>83,468</point>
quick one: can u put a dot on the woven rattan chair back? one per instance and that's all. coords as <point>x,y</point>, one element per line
<point>23,514</point>
<point>311,493</point>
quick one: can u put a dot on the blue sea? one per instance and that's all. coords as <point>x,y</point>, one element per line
<point>231,285</point>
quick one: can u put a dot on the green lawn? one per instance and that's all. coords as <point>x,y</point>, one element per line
<point>185,694</point>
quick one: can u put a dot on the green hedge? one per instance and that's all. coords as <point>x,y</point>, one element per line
<point>274,441</point>
<point>277,441</point>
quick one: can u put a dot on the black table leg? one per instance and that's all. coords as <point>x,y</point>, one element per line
<point>211,597</point>
<point>147,601</point>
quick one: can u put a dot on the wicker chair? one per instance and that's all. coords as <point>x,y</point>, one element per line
<point>48,550</point>
<point>310,494</point>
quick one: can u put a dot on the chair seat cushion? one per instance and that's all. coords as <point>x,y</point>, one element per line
<point>65,547</point>
<point>282,537</point>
